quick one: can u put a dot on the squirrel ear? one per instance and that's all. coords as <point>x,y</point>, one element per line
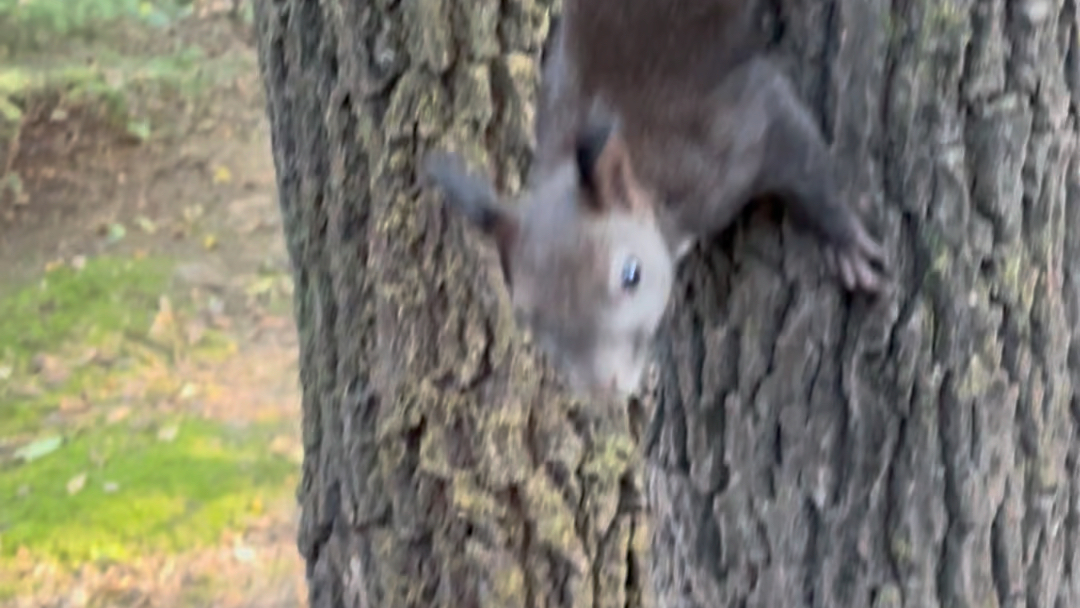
<point>605,171</point>
<point>473,197</point>
<point>588,147</point>
<point>465,193</point>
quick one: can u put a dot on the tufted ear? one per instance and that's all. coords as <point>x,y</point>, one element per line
<point>604,170</point>
<point>474,198</point>
<point>588,147</point>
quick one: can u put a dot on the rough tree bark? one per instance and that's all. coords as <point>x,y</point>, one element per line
<point>812,450</point>
<point>808,448</point>
<point>441,467</point>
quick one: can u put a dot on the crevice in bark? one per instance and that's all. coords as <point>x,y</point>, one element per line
<point>323,528</point>
<point>812,566</point>
<point>890,518</point>
<point>945,563</point>
<point>526,547</point>
<point>825,102</point>
<point>998,560</point>
<point>841,457</point>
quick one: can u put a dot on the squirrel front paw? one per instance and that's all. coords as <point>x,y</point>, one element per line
<point>861,265</point>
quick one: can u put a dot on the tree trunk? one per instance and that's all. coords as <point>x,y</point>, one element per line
<point>808,448</point>
<point>441,466</point>
<point>811,449</point>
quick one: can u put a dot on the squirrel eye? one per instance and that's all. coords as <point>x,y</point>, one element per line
<point>631,273</point>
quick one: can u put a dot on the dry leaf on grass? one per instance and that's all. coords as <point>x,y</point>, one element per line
<point>168,433</point>
<point>73,404</point>
<point>51,369</point>
<point>76,484</point>
<point>117,414</point>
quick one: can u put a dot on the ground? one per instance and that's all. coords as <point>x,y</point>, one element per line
<point>149,406</point>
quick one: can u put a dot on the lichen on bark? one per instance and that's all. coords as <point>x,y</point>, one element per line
<point>443,467</point>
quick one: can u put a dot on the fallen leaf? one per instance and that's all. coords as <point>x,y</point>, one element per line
<point>286,286</point>
<point>243,553</point>
<point>273,322</point>
<point>188,391</point>
<point>287,447</point>
<point>69,404</point>
<point>193,212</point>
<point>163,329</point>
<point>280,444</point>
<point>168,433</point>
<point>97,458</point>
<point>117,414</point>
<point>79,598</point>
<point>51,369</point>
<point>215,305</point>
<point>222,175</point>
<point>261,286</point>
<point>195,332</point>
<point>39,448</point>
<point>199,274</point>
<point>76,484</point>
<point>28,390</point>
<point>146,224</point>
<point>116,232</point>
<point>209,242</point>
<point>89,356</point>
<point>78,262</point>
<point>139,129</point>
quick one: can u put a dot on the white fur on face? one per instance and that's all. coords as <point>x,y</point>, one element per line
<point>621,351</point>
<point>568,286</point>
<point>636,237</point>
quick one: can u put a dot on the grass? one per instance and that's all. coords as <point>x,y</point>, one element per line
<point>141,493</point>
<point>131,94</point>
<point>155,480</point>
<point>60,317</point>
<point>35,24</point>
<point>107,295</point>
<point>116,446</point>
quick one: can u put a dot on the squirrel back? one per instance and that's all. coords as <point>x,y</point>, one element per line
<point>658,121</point>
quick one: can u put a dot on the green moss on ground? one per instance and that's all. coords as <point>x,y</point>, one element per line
<point>98,306</point>
<point>141,493</point>
<point>107,295</point>
<point>153,481</point>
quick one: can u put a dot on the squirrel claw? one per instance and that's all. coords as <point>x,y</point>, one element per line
<point>857,271</point>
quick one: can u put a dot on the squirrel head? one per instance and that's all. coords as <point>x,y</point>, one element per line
<point>583,257</point>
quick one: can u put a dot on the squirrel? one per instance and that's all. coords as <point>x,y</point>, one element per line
<point>657,123</point>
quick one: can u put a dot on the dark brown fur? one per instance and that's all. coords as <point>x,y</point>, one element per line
<point>659,121</point>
